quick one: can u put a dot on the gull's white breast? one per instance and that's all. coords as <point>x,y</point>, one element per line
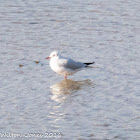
<point>57,65</point>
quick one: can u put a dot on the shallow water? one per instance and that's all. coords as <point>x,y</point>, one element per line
<point>97,103</point>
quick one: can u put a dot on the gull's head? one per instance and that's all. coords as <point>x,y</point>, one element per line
<point>53,55</point>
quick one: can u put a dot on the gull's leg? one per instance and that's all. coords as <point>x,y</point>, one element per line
<point>65,76</point>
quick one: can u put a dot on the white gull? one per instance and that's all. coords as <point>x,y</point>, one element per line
<point>65,66</point>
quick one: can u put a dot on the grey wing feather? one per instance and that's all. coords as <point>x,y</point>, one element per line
<point>71,64</point>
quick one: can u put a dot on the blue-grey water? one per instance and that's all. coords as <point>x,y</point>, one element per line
<point>94,104</point>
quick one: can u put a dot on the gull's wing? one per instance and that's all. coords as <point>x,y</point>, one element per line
<point>70,64</point>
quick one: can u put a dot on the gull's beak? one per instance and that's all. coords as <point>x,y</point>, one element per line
<point>48,57</point>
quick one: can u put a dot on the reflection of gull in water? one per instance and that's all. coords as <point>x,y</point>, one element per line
<point>62,89</point>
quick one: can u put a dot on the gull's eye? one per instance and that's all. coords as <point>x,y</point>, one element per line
<point>54,55</point>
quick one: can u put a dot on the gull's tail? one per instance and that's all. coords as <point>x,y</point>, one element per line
<point>88,64</point>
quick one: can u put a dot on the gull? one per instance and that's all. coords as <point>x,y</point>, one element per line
<point>65,66</point>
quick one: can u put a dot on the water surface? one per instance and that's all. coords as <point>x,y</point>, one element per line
<point>100,103</point>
